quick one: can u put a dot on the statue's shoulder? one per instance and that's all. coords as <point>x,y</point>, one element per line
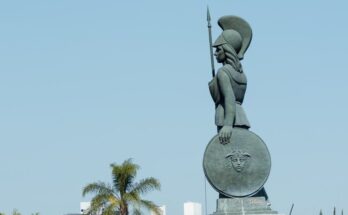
<point>228,71</point>
<point>224,70</point>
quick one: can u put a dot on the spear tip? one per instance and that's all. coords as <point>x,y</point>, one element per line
<point>208,14</point>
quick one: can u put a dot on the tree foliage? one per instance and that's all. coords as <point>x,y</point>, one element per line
<point>123,195</point>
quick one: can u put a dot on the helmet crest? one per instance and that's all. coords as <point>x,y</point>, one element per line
<point>236,32</point>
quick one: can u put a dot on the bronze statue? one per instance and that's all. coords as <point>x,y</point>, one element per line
<point>229,85</point>
<point>236,161</point>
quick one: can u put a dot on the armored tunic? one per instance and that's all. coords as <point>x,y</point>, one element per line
<point>238,82</point>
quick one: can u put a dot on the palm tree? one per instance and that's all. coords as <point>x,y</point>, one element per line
<point>124,193</point>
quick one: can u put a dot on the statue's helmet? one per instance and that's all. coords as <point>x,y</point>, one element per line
<point>230,37</point>
<point>236,32</point>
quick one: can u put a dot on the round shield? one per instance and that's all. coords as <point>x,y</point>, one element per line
<point>239,168</point>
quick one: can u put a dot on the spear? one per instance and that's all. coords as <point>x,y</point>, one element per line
<point>210,44</point>
<point>211,51</point>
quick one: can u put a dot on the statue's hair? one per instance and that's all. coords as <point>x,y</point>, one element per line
<point>232,57</point>
<point>238,153</point>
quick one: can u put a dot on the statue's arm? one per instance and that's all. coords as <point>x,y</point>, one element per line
<point>229,106</point>
<point>228,98</point>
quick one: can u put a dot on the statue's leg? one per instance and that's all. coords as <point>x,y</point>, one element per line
<point>222,196</point>
<point>261,193</point>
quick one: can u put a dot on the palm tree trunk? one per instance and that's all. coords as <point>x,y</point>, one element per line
<point>124,209</point>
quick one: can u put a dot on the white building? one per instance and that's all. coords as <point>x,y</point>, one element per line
<point>192,208</point>
<point>162,209</point>
<point>84,206</point>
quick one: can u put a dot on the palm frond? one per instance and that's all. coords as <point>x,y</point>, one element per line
<point>110,210</point>
<point>98,188</point>
<point>133,197</point>
<point>146,185</point>
<point>136,211</point>
<point>123,175</point>
<point>97,204</point>
<point>149,205</point>
<point>103,200</point>
<point>92,211</point>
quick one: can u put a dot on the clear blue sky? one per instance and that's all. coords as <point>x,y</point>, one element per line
<point>87,83</point>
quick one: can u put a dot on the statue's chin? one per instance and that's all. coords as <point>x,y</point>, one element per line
<point>239,169</point>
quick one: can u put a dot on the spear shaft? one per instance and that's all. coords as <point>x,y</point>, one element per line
<point>210,44</point>
<point>211,51</point>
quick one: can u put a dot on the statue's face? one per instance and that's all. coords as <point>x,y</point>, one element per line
<point>220,54</point>
<point>239,160</point>
<point>238,163</point>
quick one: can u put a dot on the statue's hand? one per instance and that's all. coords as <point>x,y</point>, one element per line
<point>225,134</point>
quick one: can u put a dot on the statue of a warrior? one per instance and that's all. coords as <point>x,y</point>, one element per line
<point>236,161</point>
<point>227,89</point>
<point>229,85</point>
